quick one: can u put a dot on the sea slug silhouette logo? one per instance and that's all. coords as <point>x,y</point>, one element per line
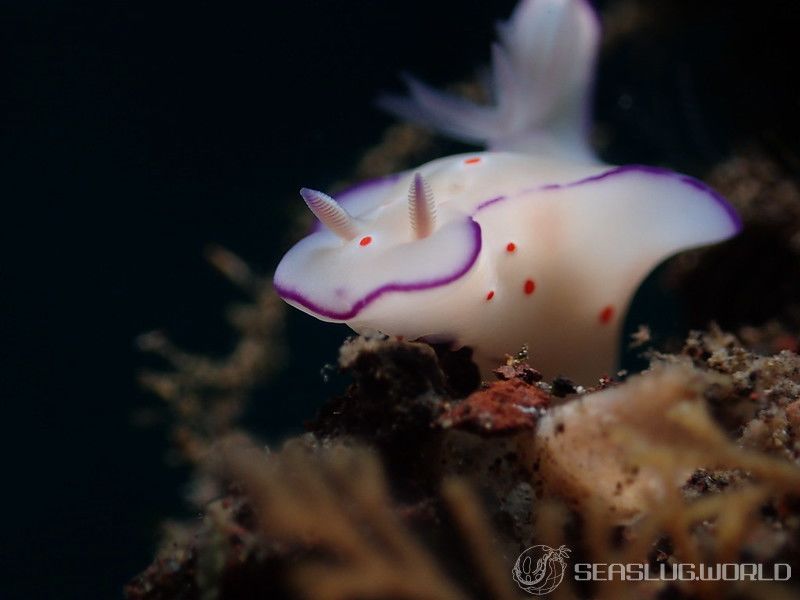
<point>540,569</point>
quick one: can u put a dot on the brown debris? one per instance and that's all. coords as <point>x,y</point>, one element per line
<point>521,371</point>
<point>334,504</point>
<point>689,449</point>
<point>397,386</point>
<point>397,393</point>
<point>400,145</point>
<point>222,557</point>
<point>205,394</point>
<point>640,337</point>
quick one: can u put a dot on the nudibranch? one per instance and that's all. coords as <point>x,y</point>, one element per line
<point>533,242</point>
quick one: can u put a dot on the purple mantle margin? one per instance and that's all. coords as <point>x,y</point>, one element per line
<point>734,217</point>
<point>416,286</point>
<point>295,296</point>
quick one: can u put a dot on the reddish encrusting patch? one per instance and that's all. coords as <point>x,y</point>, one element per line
<point>366,241</point>
<point>472,161</point>
<point>529,287</point>
<point>500,408</point>
<point>511,247</point>
<point>606,315</point>
<point>490,295</point>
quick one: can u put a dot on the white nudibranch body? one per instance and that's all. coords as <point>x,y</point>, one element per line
<point>533,242</point>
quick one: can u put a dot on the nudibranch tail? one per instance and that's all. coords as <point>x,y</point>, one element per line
<point>542,75</point>
<point>330,214</point>
<point>421,207</point>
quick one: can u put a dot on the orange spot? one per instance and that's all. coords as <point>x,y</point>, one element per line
<point>530,285</point>
<point>366,241</point>
<point>606,315</point>
<point>490,295</point>
<point>472,161</point>
<point>511,247</point>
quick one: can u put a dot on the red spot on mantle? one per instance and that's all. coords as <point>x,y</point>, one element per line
<point>530,286</point>
<point>511,247</point>
<point>472,161</point>
<point>366,241</point>
<point>606,315</point>
<point>490,295</point>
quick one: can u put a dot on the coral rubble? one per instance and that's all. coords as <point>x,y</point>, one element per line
<point>404,489</point>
